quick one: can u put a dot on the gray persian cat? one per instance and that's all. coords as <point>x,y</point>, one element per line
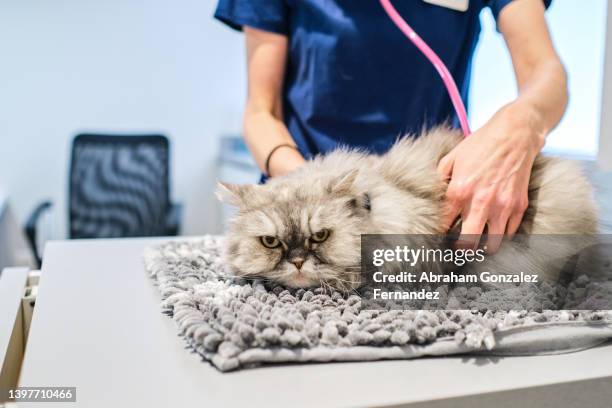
<point>304,229</point>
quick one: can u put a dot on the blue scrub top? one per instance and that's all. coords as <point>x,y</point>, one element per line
<point>352,77</point>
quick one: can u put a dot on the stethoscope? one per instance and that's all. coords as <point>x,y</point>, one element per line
<point>446,76</point>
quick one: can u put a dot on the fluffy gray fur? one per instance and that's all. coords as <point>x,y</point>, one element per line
<point>348,193</point>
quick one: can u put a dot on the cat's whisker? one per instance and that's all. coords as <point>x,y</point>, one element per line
<point>318,275</point>
<point>348,287</point>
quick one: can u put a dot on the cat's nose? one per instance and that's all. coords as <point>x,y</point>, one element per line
<point>298,262</point>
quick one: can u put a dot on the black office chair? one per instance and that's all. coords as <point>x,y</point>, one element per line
<point>119,187</point>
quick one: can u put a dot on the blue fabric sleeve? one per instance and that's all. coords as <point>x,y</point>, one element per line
<point>498,5</point>
<point>267,15</point>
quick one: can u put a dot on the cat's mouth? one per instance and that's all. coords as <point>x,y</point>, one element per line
<point>299,279</point>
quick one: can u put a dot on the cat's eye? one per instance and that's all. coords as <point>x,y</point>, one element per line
<point>269,241</point>
<point>320,236</point>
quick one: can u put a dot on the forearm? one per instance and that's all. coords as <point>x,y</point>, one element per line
<point>541,78</point>
<point>542,99</point>
<point>263,131</point>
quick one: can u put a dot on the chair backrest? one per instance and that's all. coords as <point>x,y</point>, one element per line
<point>118,186</point>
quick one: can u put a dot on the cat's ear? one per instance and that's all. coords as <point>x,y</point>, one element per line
<point>234,194</point>
<point>343,183</point>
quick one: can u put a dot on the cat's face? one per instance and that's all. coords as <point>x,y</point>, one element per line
<point>295,233</point>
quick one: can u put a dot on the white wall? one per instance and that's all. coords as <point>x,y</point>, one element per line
<point>116,65</point>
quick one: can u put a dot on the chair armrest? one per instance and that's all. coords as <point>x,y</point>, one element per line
<point>32,222</point>
<point>174,218</point>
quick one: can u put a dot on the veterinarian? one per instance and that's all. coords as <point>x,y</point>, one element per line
<point>324,73</point>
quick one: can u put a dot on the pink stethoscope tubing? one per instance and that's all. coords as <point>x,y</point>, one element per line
<point>446,76</point>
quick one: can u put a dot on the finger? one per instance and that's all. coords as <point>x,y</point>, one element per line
<point>473,224</point>
<point>445,166</point>
<point>514,222</point>
<point>451,213</point>
<point>495,234</point>
<point>453,205</point>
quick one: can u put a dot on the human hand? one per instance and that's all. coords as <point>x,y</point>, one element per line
<point>488,175</point>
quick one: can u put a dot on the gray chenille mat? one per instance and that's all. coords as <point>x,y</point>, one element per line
<point>237,324</point>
